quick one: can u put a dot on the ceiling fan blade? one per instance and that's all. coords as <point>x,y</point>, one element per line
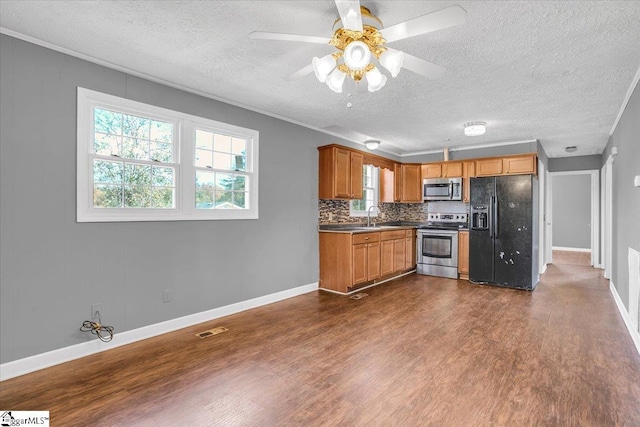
<point>434,21</point>
<point>288,37</point>
<point>349,11</point>
<point>422,67</point>
<point>300,73</point>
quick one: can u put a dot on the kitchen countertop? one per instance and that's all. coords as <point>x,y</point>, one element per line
<point>362,228</point>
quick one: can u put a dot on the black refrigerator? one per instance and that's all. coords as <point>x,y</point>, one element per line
<point>503,231</point>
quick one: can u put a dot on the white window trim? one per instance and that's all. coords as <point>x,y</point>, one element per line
<point>376,199</point>
<point>184,149</point>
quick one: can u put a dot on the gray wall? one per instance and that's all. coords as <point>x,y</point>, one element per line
<point>578,163</point>
<point>626,197</point>
<point>503,150</point>
<point>52,269</point>
<point>571,211</point>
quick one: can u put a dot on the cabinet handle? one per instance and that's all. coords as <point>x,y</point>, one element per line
<point>366,238</point>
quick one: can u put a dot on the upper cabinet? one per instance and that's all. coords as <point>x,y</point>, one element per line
<point>442,170</point>
<point>468,172</point>
<point>340,173</point>
<point>521,164</point>
<point>411,184</point>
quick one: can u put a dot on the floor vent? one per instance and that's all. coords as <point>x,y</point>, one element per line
<point>359,295</point>
<point>212,332</point>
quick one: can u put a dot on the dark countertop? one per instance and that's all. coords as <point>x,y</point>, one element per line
<point>352,228</point>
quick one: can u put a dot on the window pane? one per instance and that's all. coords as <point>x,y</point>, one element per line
<point>204,158</point>
<point>137,197</point>
<point>107,196</point>
<point>162,177</point>
<point>137,174</point>
<point>161,152</point>
<point>239,199</point>
<point>135,127</point>
<point>224,199</point>
<point>239,146</point>
<point>162,197</point>
<point>222,143</point>
<point>239,182</point>
<point>204,190</point>
<point>107,121</point>
<point>239,162</point>
<point>221,160</point>
<point>135,149</point>
<point>161,131</point>
<point>106,144</point>
<point>204,139</point>
<point>107,172</point>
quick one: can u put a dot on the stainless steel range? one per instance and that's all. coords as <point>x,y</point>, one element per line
<point>438,244</point>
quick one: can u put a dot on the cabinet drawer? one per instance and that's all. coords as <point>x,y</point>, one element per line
<point>365,238</point>
<point>392,235</point>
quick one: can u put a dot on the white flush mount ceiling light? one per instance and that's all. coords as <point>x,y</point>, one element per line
<point>475,128</point>
<point>360,40</point>
<point>372,144</point>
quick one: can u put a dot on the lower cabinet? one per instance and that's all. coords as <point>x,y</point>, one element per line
<point>349,261</point>
<point>463,255</point>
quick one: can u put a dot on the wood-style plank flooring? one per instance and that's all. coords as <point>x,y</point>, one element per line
<point>418,351</point>
<point>572,257</point>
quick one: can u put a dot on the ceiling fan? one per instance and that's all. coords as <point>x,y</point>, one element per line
<point>361,42</point>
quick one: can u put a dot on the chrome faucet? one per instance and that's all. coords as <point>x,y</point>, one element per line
<point>369,216</point>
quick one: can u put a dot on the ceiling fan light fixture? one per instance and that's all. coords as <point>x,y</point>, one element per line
<point>335,80</point>
<point>372,144</point>
<point>392,60</point>
<point>357,55</point>
<point>475,128</point>
<point>323,66</point>
<point>375,80</point>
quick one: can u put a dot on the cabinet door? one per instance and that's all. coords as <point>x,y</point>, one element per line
<point>373,261</point>
<point>342,173</point>
<point>520,165</point>
<point>431,170</point>
<point>386,257</point>
<point>468,172</point>
<point>399,254</point>
<point>463,253</point>
<point>357,161</point>
<point>409,248</point>
<point>359,254</point>
<point>452,170</point>
<point>397,171</point>
<point>411,184</point>
<point>489,167</point>
<point>387,186</point>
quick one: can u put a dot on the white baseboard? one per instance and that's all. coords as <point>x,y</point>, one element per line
<point>564,248</point>
<point>635,336</point>
<point>40,361</point>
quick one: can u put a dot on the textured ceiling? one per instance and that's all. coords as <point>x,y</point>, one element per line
<point>553,71</point>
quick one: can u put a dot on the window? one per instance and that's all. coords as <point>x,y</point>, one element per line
<point>137,162</point>
<point>370,185</point>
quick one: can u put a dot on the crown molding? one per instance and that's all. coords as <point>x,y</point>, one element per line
<point>470,147</point>
<point>627,97</point>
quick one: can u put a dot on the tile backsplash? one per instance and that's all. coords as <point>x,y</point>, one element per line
<point>391,211</point>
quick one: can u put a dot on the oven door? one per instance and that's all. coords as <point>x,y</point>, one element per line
<point>438,247</point>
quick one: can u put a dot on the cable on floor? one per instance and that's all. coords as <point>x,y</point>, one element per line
<point>104,333</point>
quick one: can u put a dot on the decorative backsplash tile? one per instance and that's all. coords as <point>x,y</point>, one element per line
<point>391,211</point>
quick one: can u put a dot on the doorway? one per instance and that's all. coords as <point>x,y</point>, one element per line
<point>575,212</point>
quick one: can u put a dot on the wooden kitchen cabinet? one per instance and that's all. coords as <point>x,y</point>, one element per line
<point>386,257</point>
<point>431,170</point>
<point>520,165</point>
<point>340,173</point>
<point>387,186</point>
<point>410,249</point>
<point>468,172</point>
<point>396,255</point>
<point>366,262</point>
<point>489,167</point>
<point>452,170</point>
<point>397,171</point>
<point>411,183</point>
<point>463,255</point>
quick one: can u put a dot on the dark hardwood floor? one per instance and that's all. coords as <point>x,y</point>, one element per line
<point>572,257</point>
<point>418,351</point>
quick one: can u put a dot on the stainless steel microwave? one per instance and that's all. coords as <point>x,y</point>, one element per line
<point>442,189</point>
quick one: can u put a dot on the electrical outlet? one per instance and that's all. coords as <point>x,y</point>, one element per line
<point>330,216</point>
<point>96,311</point>
<point>383,215</point>
<point>166,295</point>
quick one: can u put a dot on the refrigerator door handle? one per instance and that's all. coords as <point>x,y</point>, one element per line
<point>495,217</point>
<point>490,218</point>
